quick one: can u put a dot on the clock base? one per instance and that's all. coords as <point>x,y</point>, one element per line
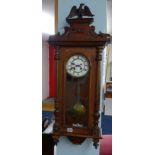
<point>76,140</point>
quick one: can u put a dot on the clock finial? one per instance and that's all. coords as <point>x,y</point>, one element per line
<point>80,12</point>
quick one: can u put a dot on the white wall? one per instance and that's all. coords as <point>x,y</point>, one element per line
<point>109,16</point>
<point>109,48</point>
<point>97,7</point>
<point>47,29</point>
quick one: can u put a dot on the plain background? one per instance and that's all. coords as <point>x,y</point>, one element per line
<point>21,73</point>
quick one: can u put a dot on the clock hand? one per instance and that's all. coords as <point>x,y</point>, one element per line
<point>80,66</point>
<point>72,68</point>
<point>72,63</point>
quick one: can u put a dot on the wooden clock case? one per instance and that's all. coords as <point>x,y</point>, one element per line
<point>79,37</point>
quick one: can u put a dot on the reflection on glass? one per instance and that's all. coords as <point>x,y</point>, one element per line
<point>76,101</point>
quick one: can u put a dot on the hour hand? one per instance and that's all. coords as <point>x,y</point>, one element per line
<point>73,68</point>
<point>73,63</point>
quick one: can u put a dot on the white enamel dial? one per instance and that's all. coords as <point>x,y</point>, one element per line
<point>77,66</point>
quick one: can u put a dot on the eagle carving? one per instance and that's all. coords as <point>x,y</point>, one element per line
<point>80,12</point>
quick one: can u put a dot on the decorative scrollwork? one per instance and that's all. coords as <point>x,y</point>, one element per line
<point>96,143</point>
<point>99,54</point>
<point>57,54</point>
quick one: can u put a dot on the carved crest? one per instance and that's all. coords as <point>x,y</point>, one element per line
<point>80,12</point>
<point>80,32</point>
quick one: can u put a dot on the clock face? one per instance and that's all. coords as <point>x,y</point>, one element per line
<point>77,66</point>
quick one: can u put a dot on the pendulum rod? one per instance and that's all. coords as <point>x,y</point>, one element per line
<point>78,90</point>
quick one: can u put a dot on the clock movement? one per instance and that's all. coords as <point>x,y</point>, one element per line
<point>78,56</point>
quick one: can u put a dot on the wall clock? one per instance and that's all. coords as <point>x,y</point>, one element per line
<point>78,56</point>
